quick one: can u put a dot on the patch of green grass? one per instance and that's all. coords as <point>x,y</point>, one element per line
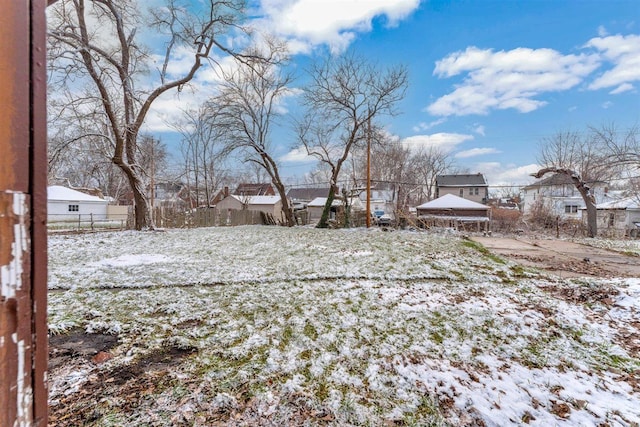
<point>484,251</point>
<point>287,334</point>
<point>427,414</point>
<point>310,331</point>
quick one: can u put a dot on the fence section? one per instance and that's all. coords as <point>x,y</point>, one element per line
<point>87,222</point>
<point>166,217</point>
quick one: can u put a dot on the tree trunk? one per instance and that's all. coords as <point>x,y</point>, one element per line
<point>286,209</point>
<point>142,212</point>
<point>324,218</point>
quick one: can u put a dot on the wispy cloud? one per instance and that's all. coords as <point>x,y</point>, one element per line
<point>423,126</point>
<point>444,141</point>
<point>479,129</point>
<point>625,87</point>
<point>507,79</point>
<point>474,152</point>
<point>308,23</point>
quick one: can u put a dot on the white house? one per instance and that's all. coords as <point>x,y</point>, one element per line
<point>558,194</point>
<point>66,204</point>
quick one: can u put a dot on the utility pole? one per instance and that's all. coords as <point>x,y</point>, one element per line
<point>369,172</point>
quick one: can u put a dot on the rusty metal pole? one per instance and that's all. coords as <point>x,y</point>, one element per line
<point>23,246</point>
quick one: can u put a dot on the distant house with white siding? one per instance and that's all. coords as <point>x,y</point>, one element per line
<point>559,194</point>
<point>66,204</point>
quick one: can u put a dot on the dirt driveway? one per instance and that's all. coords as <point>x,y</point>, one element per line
<point>566,259</point>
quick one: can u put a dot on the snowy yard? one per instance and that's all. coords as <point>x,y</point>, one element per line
<point>279,326</point>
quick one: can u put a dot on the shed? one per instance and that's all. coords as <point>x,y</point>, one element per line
<point>454,211</point>
<point>267,204</point>
<point>316,206</point>
<point>619,218</point>
<point>66,204</point>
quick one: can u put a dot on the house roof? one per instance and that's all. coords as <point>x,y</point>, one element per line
<point>307,193</point>
<point>63,194</point>
<point>627,203</point>
<point>254,189</point>
<point>469,180</point>
<point>556,179</point>
<point>257,200</point>
<point>449,201</point>
<point>321,201</point>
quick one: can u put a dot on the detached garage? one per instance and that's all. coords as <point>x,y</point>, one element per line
<point>456,212</point>
<point>65,204</point>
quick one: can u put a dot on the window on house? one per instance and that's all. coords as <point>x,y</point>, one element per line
<point>461,192</point>
<point>612,219</point>
<point>476,191</point>
<point>74,208</point>
<point>571,209</point>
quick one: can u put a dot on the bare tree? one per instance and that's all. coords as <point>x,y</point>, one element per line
<point>345,95</point>
<point>583,161</point>
<point>432,162</point>
<point>100,42</point>
<point>622,147</point>
<point>203,153</point>
<point>249,104</point>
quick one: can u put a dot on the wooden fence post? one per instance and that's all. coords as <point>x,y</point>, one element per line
<point>23,204</point>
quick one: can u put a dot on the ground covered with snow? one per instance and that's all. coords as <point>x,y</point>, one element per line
<point>274,326</point>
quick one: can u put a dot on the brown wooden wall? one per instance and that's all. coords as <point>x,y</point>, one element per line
<point>23,167</point>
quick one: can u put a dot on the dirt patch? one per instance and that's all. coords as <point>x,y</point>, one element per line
<point>566,259</point>
<point>63,348</point>
<point>126,384</point>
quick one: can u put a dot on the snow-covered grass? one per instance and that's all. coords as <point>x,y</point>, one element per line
<point>630,247</point>
<point>299,326</point>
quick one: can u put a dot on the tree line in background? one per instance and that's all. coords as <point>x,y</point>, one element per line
<point>103,84</point>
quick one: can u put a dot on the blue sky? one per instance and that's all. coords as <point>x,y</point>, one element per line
<point>488,79</point>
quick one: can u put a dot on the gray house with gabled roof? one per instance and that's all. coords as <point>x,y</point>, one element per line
<point>472,187</point>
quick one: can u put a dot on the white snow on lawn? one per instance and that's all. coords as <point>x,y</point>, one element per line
<point>363,327</point>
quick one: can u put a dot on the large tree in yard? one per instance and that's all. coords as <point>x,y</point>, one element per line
<point>345,96</point>
<point>581,158</point>
<point>97,47</point>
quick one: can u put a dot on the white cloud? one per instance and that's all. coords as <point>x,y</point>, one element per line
<point>479,129</point>
<point>498,174</point>
<point>308,23</point>
<point>624,53</point>
<point>444,141</point>
<point>422,126</point>
<point>297,155</point>
<point>507,79</point>
<point>476,152</point>
<point>625,87</point>
<point>602,31</point>
<point>607,104</point>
